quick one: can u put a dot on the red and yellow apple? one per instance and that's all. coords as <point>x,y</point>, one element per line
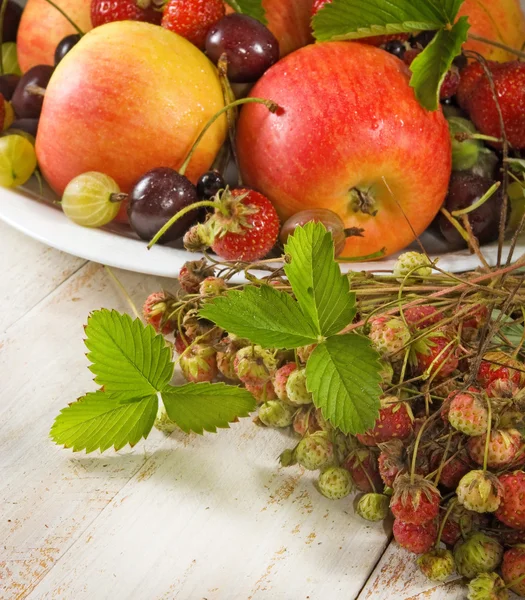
<point>350,137</point>
<point>498,20</point>
<point>127,98</point>
<point>42,27</point>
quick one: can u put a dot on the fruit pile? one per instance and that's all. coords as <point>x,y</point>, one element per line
<point>376,163</point>
<point>445,456</point>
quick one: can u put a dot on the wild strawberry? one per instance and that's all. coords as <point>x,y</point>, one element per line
<point>470,77</point>
<point>474,321</point>
<point>307,419</point>
<point>304,352</point>
<point>334,483</point>
<point>437,565</point>
<point>389,335</point>
<point>163,422</point>
<point>412,265</point>
<point>479,553</point>
<point>254,365</point>
<point>468,413</point>
<point>104,11</point>
<point>479,491</point>
<point>502,388</point>
<point>509,81</point>
<point>373,507</point>
<point>511,511</point>
<point>423,316</point>
<point>192,19</point>
<point>410,56</point>
<point>226,351</point>
<point>262,392</point>
<point>507,536</point>
<point>498,365</point>
<point>513,569</point>
<point>362,465</point>
<point>296,388</point>
<point>280,379</point>
<point>276,414</point>
<point>315,451</point>
<point>156,312</point>
<point>454,468</point>
<point>246,227</point>
<point>502,448</point>
<point>434,355</point>
<point>195,326</point>
<point>199,364</point>
<point>487,586</point>
<point>450,84</point>
<point>415,500</point>
<point>415,538</point>
<point>460,521</point>
<point>192,273</point>
<point>395,421</point>
<point>212,286</point>
<point>181,343</point>
<point>392,461</point>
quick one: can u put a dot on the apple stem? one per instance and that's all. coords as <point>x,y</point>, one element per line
<point>270,105</point>
<point>71,22</point>
<point>478,38</point>
<point>181,213</point>
<point>3,8</point>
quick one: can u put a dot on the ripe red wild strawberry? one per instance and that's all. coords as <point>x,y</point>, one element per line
<point>262,392</point>
<point>513,569</point>
<point>511,511</point>
<point>395,421</point>
<point>192,273</point>
<point>107,11</point>
<point>392,461</point>
<point>415,500</point>
<point>434,355</point>
<point>509,81</point>
<point>467,412</point>
<point>454,468</point>
<point>192,19</point>
<point>450,84</point>
<point>415,538</point>
<point>199,364</point>
<point>245,228</point>
<point>156,312</point>
<point>280,379</point>
<point>503,446</point>
<point>421,317</point>
<point>362,465</point>
<point>498,365</point>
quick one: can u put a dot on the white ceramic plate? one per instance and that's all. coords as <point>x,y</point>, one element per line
<point>35,216</point>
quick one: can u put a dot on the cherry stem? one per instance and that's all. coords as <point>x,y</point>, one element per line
<point>3,8</point>
<point>69,19</point>
<point>270,105</point>
<point>488,194</point>
<point>181,213</point>
<point>36,90</point>
<point>487,441</point>
<point>445,519</point>
<point>478,38</point>
<point>117,197</point>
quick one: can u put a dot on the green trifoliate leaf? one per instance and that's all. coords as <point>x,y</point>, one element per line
<point>252,8</point>
<point>263,315</point>
<point>343,374</point>
<point>203,407</point>
<point>354,19</point>
<point>321,290</point>
<point>99,420</point>
<point>129,359</point>
<point>431,66</point>
<point>448,8</point>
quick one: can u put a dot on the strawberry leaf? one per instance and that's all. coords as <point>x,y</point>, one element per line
<point>354,19</point>
<point>252,8</point>
<point>431,66</point>
<point>263,315</point>
<point>203,407</point>
<point>100,420</point>
<point>129,359</point>
<point>321,290</point>
<point>343,375</point>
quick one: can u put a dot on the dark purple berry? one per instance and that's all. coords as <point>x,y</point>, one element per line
<point>250,47</point>
<point>27,125</point>
<point>65,45</point>
<point>29,93</point>
<point>8,85</point>
<point>13,13</point>
<point>209,184</point>
<point>155,198</point>
<point>396,47</point>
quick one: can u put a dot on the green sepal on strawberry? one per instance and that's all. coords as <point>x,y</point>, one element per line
<point>192,19</point>
<point>487,586</point>
<point>434,355</point>
<point>415,499</point>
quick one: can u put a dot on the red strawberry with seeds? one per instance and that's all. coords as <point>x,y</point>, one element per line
<point>434,355</point>
<point>423,316</point>
<point>470,77</point>
<point>107,11</point>
<point>450,85</point>
<point>395,421</point>
<point>392,461</point>
<point>503,446</point>
<point>511,511</point>
<point>280,379</point>
<point>467,412</point>
<point>415,499</point>
<point>199,364</point>
<point>415,538</point>
<point>362,464</point>
<point>454,468</point>
<point>181,343</point>
<point>192,19</point>
<point>156,312</point>
<point>498,365</point>
<point>513,569</point>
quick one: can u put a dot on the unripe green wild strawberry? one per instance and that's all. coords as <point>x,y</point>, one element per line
<point>315,451</point>
<point>335,483</point>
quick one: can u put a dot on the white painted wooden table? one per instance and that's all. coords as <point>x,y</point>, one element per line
<point>184,517</point>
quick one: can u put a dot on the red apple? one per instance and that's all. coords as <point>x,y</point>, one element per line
<point>42,27</point>
<point>127,98</point>
<point>350,137</point>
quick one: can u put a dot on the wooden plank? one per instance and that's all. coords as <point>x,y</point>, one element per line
<point>49,496</point>
<point>30,271</point>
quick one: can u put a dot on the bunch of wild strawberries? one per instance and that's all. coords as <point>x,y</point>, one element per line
<point>445,455</point>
